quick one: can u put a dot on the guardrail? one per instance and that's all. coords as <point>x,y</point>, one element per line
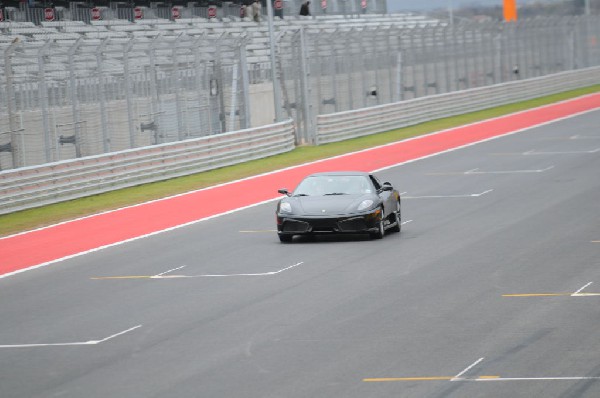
<point>35,186</point>
<point>351,124</point>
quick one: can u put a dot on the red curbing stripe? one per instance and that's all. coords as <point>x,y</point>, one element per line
<point>46,245</point>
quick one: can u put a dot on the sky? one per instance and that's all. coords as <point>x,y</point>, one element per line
<point>420,5</point>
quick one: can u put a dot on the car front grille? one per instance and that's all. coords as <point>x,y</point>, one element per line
<point>294,226</point>
<point>352,224</point>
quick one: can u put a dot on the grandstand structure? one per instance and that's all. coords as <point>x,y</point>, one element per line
<point>38,11</point>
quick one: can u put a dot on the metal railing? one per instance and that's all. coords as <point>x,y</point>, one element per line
<point>55,182</point>
<point>35,186</point>
<point>356,123</point>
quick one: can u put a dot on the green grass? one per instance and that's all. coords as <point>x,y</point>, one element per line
<point>38,217</point>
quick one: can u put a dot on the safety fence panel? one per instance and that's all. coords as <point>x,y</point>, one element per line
<point>62,100</point>
<point>327,70</point>
<point>351,124</point>
<point>55,182</point>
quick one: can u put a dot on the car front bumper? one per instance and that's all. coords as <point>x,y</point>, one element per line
<point>288,224</point>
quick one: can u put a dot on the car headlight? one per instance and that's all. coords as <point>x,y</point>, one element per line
<point>285,207</point>
<point>365,204</point>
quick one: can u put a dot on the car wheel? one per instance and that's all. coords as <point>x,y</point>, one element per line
<point>397,219</point>
<point>381,229</point>
<point>285,238</point>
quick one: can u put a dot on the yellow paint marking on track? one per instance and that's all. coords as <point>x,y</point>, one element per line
<point>596,241</point>
<point>382,379</point>
<point>487,377</point>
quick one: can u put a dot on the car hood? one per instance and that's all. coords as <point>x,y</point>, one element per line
<point>327,205</point>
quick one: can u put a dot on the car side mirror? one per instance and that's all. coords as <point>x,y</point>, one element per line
<point>387,187</point>
<point>284,191</point>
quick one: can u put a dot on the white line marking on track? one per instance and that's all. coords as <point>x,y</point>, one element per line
<point>471,195</point>
<point>91,342</point>
<point>228,275</point>
<point>534,152</point>
<point>578,293</point>
<point>166,272</point>
<point>257,231</point>
<point>458,376</point>
<point>163,276</point>
<point>476,171</point>
<point>583,137</point>
<point>533,378</point>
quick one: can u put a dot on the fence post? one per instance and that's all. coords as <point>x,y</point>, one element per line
<point>318,66</point>
<point>363,67</point>
<point>176,83</point>
<point>333,72</point>
<point>103,115</point>
<point>413,52</point>
<point>390,63</point>
<point>350,70</point>
<point>220,83</point>
<point>375,45</point>
<point>155,108</point>
<point>127,81</point>
<point>10,94</point>
<point>245,106</point>
<point>234,87</point>
<point>43,90</point>
<point>447,66</point>
<point>73,88</point>
<point>309,132</point>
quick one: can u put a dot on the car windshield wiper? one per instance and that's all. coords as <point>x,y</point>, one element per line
<point>336,193</point>
<point>302,194</point>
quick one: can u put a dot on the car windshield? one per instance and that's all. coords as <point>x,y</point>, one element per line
<point>333,185</point>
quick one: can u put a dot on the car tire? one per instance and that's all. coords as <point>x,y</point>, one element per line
<point>397,219</point>
<point>381,229</point>
<point>285,238</point>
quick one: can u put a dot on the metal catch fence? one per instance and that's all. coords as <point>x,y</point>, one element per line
<point>68,95</point>
<point>325,71</point>
<point>59,102</point>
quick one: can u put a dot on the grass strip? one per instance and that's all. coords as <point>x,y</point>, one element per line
<point>51,214</point>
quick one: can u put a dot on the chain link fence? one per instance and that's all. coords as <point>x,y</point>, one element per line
<point>62,101</point>
<point>326,71</point>
<point>67,99</point>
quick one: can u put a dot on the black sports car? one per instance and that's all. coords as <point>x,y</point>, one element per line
<point>339,202</point>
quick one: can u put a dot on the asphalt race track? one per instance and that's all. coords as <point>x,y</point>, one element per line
<point>492,289</point>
